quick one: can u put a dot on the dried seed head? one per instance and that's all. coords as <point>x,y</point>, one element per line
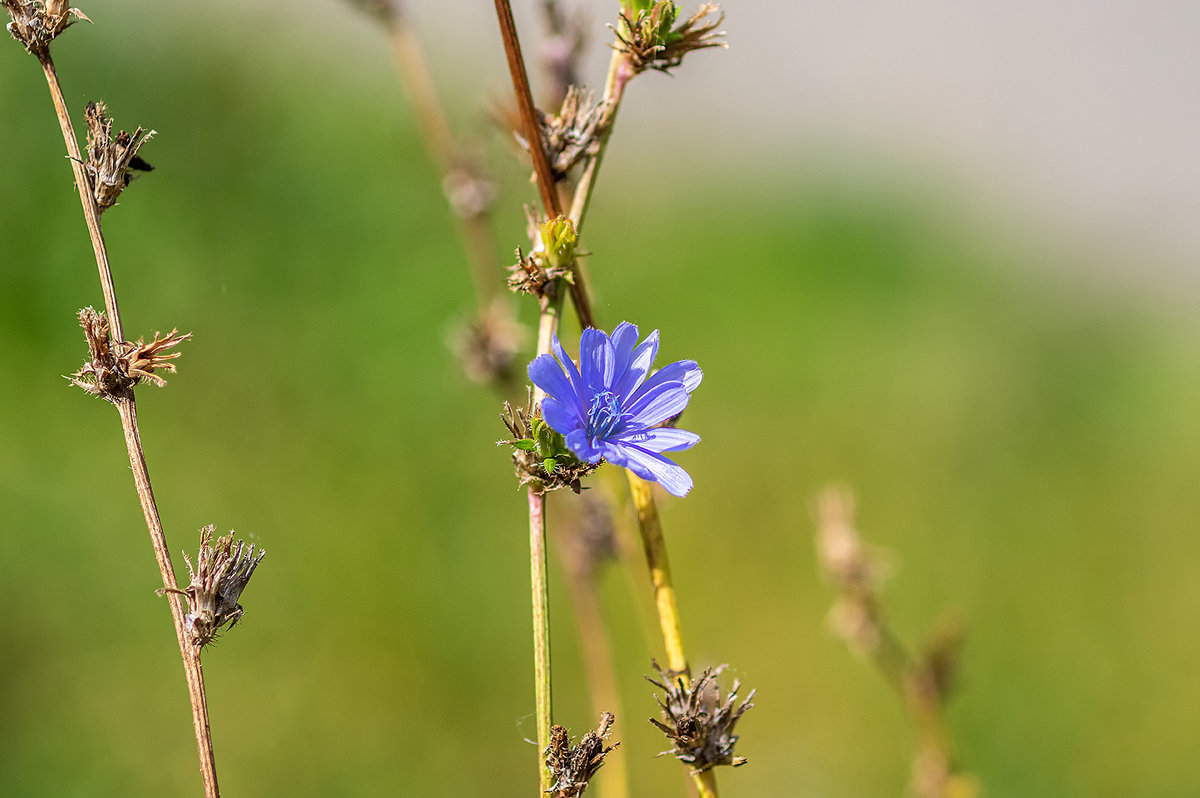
<point>487,345</point>
<point>855,570</point>
<point>540,455</point>
<point>572,767</point>
<point>221,574</point>
<point>648,35</point>
<point>574,133</point>
<point>469,190</point>
<point>36,23</point>
<point>696,721</point>
<point>116,366</point>
<point>109,158</point>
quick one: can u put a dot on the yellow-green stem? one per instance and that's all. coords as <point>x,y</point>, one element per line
<point>655,547</point>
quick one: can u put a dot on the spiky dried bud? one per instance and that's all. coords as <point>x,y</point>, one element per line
<point>572,767</point>
<point>36,23</point>
<point>540,455</point>
<point>487,345</point>
<point>648,35</point>
<point>221,573</point>
<point>696,721</point>
<point>109,158</point>
<point>574,133</point>
<point>116,366</point>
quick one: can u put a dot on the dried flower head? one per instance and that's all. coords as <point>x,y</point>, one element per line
<point>572,767</point>
<point>221,574</point>
<point>574,133</point>
<point>109,158</point>
<point>540,455</point>
<point>856,570</point>
<point>648,35</point>
<point>696,721</point>
<point>36,23</point>
<point>487,345</point>
<point>116,366</point>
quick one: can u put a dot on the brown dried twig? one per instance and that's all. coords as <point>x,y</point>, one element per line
<point>114,368</point>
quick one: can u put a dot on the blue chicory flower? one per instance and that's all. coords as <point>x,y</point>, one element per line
<point>608,408</point>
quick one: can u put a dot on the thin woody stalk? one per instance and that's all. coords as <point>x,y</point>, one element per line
<point>127,408</point>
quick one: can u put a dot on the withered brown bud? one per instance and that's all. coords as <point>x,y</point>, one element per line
<point>695,720</point>
<point>574,133</point>
<point>487,345</point>
<point>116,366</point>
<point>221,574</point>
<point>109,158</point>
<point>572,767</point>
<point>35,23</point>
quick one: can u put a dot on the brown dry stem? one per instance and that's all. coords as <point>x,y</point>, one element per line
<point>127,409</point>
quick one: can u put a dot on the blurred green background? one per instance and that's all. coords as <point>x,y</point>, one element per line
<point>1024,437</point>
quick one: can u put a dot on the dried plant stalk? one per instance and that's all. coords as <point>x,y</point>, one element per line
<point>55,17</point>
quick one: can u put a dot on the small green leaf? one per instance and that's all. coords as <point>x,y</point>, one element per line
<point>525,444</point>
<point>550,464</point>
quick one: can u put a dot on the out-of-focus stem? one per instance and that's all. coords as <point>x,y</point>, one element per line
<point>127,408</point>
<point>413,69</point>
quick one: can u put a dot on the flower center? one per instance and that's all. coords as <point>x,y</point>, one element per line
<point>604,415</point>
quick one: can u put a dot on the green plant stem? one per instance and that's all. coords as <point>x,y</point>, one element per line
<point>541,630</point>
<point>127,409</point>
<point>551,311</point>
